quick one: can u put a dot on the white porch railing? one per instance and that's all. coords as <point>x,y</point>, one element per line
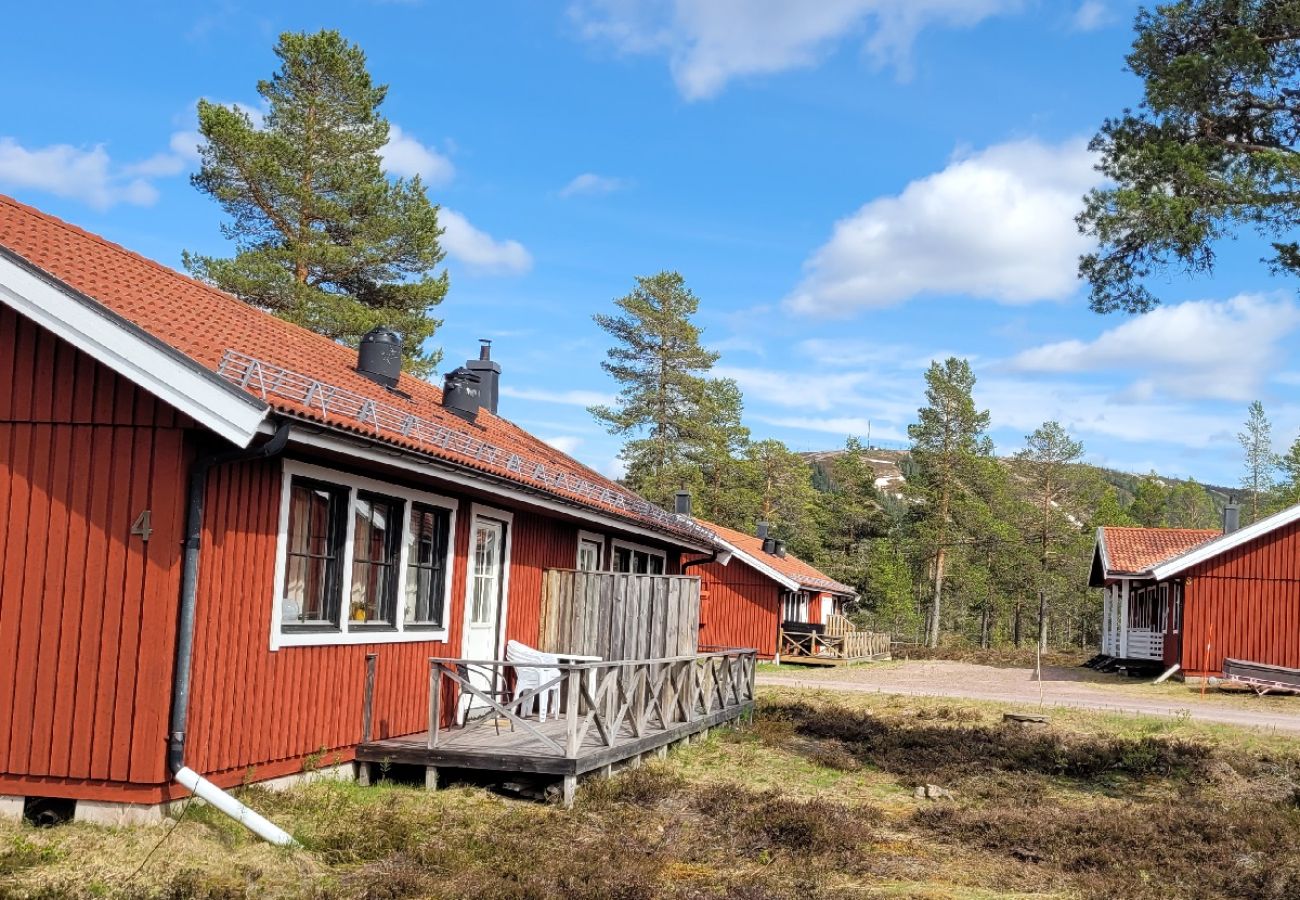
<point>1145,644</point>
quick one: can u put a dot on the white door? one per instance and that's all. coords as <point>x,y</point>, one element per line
<point>483,603</point>
<point>828,608</point>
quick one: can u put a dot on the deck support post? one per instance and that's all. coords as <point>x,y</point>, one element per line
<point>569,791</point>
<point>607,771</point>
<point>430,778</point>
<point>363,773</point>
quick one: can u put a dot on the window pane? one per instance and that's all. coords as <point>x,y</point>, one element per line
<point>426,565</point>
<point>314,546</point>
<point>487,572</point>
<point>622,559</point>
<point>376,533</point>
<point>656,565</point>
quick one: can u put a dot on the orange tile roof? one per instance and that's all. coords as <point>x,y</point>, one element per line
<point>789,565</point>
<point>1131,551</point>
<point>208,325</point>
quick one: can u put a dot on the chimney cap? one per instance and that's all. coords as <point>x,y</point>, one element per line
<point>485,348</point>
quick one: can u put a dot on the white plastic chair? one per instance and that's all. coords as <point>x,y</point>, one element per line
<point>528,678</point>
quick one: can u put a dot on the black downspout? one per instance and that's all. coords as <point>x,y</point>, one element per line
<point>190,583</point>
<point>701,561</point>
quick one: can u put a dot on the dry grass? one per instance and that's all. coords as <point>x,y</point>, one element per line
<point>815,801</point>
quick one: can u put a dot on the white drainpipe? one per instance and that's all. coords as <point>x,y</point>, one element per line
<point>200,787</point>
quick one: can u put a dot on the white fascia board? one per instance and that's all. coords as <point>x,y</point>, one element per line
<point>1198,555</point>
<point>786,582</point>
<point>131,352</point>
<point>449,472</point>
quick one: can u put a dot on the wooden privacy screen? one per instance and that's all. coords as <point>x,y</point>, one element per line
<point>618,616</point>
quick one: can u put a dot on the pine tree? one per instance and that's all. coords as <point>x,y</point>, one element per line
<point>323,237</point>
<point>779,490</point>
<point>1048,462</point>
<point>1190,505</point>
<point>1289,463</point>
<point>946,440</point>
<point>1150,506</point>
<point>666,403</point>
<point>1259,460</point>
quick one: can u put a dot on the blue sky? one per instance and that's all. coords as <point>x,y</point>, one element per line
<point>852,188</point>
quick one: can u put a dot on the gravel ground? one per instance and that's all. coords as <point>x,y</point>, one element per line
<point>1074,687</point>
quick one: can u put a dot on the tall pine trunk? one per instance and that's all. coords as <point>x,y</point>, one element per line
<point>936,604</point>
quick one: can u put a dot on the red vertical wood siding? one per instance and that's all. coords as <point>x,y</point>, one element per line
<point>87,610</point>
<point>741,608</point>
<point>1250,596</point>
<point>253,707</point>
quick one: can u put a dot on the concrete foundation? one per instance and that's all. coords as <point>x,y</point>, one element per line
<point>341,772</point>
<point>11,808</point>
<point>121,815</point>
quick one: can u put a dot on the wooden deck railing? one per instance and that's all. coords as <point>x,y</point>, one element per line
<point>845,645</point>
<point>605,702</point>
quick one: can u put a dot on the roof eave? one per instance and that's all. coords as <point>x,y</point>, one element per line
<point>347,443</point>
<point>1210,549</point>
<point>130,351</point>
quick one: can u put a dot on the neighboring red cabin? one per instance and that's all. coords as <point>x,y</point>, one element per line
<point>1196,598</point>
<point>747,599</point>
<point>373,521</point>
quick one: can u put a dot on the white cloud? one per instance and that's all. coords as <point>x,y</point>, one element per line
<point>406,157</point>
<point>710,43</point>
<point>591,183</point>
<point>479,250</point>
<point>566,443</point>
<point>1091,15</point>
<point>997,224</point>
<point>1200,349</point>
<point>79,173</point>
<point>564,398</point>
<point>820,391</point>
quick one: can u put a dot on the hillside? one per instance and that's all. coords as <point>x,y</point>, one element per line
<point>890,467</point>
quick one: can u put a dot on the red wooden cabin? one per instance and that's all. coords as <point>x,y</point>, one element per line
<point>759,588</point>
<point>165,448</point>
<point>1195,598</point>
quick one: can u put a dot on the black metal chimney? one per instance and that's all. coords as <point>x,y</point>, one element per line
<point>380,356</point>
<point>489,375</point>
<point>1231,518</point>
<point>460,393</point>
<point>762,529</point>
<point>780,549</point>
<point>683,503</point>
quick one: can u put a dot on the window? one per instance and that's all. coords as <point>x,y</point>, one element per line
<point>638,559</point>
<point>376,548</point>
<point>313,558</point>
<point>796,606</point>
<point>489,540</point>
<point>426,572</point>
<point>1177,611</point>
<point>350,550</point>
<point>590,550</point>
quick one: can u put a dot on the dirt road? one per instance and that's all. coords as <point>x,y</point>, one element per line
<point>1080,688</point>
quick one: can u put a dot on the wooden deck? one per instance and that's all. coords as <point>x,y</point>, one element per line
<point>479,747</point>
<point>608,712</point>
<point>839,644</point>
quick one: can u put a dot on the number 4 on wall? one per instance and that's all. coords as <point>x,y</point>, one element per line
<point>142,526</point>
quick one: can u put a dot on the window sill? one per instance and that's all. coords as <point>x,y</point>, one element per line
<point>357,635</point>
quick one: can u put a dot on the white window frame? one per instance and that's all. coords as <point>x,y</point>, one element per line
<point>479,511</point>
<point>636,548</point>
<point>592,537</point>
<point>367,633</point>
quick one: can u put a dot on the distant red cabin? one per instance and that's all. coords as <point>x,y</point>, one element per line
<point>1195,598</point>
<point>746,600</point>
